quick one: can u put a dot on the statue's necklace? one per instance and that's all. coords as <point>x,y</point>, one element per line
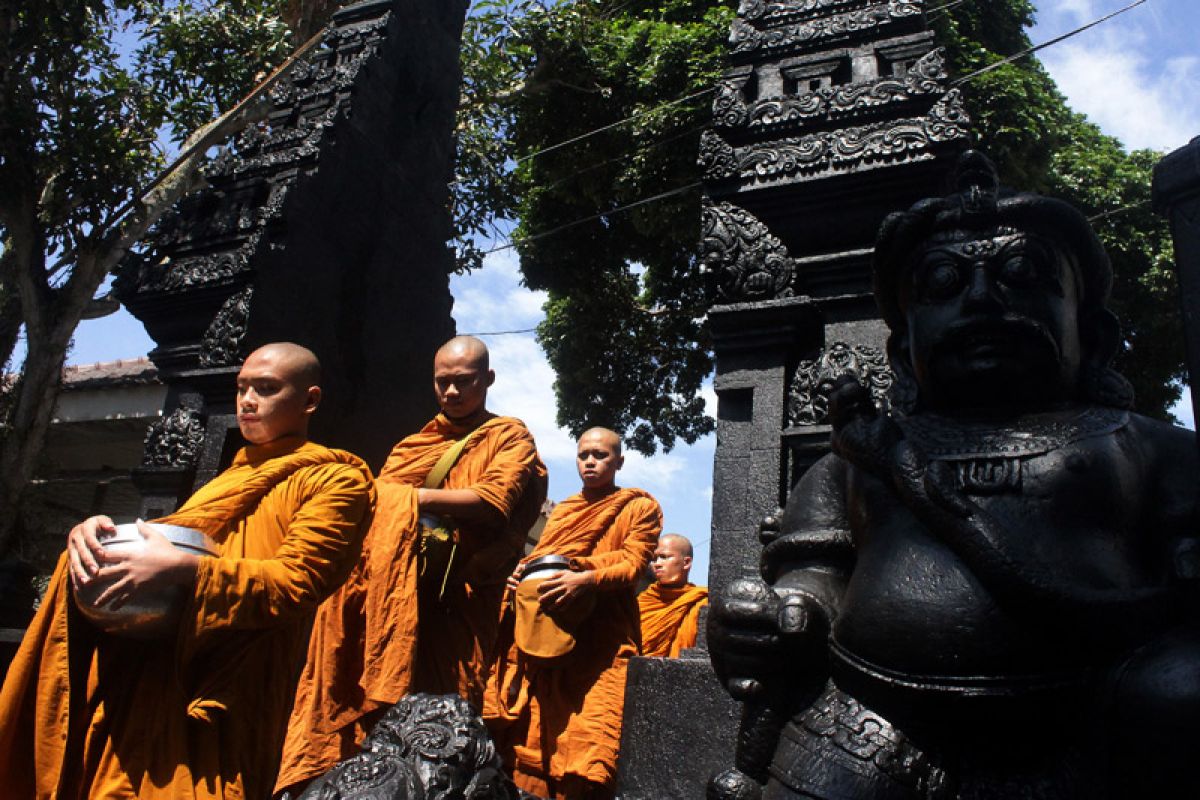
<point>987,454</point>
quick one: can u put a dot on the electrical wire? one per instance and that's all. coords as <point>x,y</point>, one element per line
<point>1035,48</point>
<point>636,115</point>
<point>644,201</point>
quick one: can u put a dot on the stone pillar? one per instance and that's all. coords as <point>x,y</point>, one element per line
<point>1176,195</point>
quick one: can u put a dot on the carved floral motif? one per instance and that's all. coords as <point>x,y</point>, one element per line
<point>748,261</point>
<point>717,157</point>
<point>813,380</point>
<point>428,746</point>
<point>812,153</point>
<point>745,38</point>
<point>783,10</point>
<point>222,342</point>
<point>174,440</point>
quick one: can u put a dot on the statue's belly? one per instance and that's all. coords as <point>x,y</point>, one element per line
<point>912,607</point>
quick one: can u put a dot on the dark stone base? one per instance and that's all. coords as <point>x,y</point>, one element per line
<point>679,729</point>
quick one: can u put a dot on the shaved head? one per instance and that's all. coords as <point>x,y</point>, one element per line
<point>297,363</point>
<point>611,438</point>
<point>672,560</point>
<point>461,378</point>
<point>277,392</point>
<point>677,541</point>
<point>468,347</point>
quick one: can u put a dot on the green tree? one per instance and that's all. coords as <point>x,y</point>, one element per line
<point>80,117</point>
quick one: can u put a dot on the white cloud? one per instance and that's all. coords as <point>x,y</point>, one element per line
<point>1144,103</point>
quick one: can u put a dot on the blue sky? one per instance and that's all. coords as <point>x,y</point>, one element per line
<point>1137,76</point>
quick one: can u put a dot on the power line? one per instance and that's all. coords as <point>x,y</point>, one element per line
<point>1117,211</point>
<point>610,212</point>
<point>618,123</point>
<point>499,333</point>
<point>1031,50</point>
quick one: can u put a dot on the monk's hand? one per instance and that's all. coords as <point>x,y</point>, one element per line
<point>84,552</point>
<point>515,579</point>
<point>565,588</point>
<point>158,564</point>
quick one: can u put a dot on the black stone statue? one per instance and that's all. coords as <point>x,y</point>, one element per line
<point>425,747</point>
<point>988,590</point>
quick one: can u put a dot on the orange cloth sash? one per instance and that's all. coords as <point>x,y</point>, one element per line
<point>670,618</point>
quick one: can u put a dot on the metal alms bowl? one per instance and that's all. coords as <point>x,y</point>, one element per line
<point>544,567</point>
<point>155,615</point>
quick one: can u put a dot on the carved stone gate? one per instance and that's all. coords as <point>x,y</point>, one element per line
<point>326,225</point>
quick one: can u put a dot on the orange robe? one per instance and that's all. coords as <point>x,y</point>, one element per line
<point>558,725</point>
<point>86,715</point>
<point>670,618</point>
<point>378,638</point>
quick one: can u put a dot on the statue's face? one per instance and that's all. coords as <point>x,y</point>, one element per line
<point>992,320</point>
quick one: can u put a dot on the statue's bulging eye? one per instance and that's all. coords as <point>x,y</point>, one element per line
<point>940,280</point>
<point>1018,271</point>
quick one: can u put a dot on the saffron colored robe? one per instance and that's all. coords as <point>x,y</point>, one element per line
<point>378,638</point>
<point>202,715</point>
<point>558,724</point>
<point>670,618</point>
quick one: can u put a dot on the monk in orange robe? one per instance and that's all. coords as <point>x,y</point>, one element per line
<point>557,721</point>
<point>670,607</point>
<point>389,631</point>
<point>84,714</point>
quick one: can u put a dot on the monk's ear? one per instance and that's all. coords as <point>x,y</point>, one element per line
<point>687,562</point>
<point>312,400</point>
<point>620,461</point>
<point>491,377</point>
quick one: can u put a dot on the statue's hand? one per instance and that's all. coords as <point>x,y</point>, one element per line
<point>757,636</point>
<point>862,435</point>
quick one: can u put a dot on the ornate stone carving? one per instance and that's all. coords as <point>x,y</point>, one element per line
<point>222,342</point>
<point>426,747</point>
<point>717,157</point>
<point>814,379</point>
<point>729,108</point>
<point>745,38</point>
<point>175,440</point>
<point>836,102</point>
<point>785,10</point>
<point>838,149</point>
<point>748,261</point>
<point>214,235</point>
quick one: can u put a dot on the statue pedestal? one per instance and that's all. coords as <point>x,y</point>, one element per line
<point>680,726</point>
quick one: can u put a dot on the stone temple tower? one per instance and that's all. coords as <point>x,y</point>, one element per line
<point>326,224</point>
<point>832,114</point>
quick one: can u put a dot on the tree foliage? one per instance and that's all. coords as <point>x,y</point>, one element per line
<point>86,89</point>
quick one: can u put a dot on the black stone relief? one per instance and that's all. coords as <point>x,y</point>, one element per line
<point>815,379</point>
<point>745,38</point>
<point>222,342</point>
<point>175,440</point>
<point>425,747</point>
<point>747,261</point>
<point>839,149</point>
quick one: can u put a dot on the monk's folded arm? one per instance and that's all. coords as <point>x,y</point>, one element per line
<point>323,542</point>
<point>462,505</point>
<point>621,568</point>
